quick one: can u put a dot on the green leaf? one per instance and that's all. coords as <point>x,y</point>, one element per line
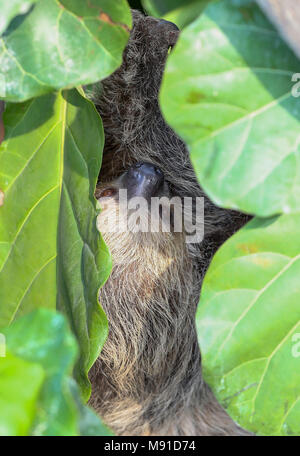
<point>12,8</point>
<point>51,254</point>
<point>62,44</point>
<point>89,423</point>
<point>248,324</point>
<point>159,8</point>
<point>186,13</point>
<point>20,384</point>
<point>43,337</point>
<point>228,92</point>
<point>38,397</point>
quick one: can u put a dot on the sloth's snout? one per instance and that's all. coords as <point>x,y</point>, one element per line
<point>143,179</point>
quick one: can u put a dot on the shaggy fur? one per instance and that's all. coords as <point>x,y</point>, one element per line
<point>147,380</point>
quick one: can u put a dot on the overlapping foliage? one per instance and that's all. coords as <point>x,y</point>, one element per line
<point>60,44</point>
<point>227,93</point>
<point>38,394</point>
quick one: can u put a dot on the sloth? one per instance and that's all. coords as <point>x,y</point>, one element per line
<point>147,379</point>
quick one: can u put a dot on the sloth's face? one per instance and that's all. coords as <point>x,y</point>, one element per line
<point>138,219</point>
<point>144,180</point>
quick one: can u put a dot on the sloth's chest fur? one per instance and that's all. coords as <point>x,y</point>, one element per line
<point>151,360</point>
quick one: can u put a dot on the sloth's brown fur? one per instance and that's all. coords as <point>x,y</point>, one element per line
<point>147,380</point>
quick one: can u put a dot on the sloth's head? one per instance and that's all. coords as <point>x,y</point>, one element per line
<point>151,294</point>
<point>141,223</point>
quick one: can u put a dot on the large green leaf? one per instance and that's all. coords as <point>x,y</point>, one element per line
<point>186,13</point>
<point>159,8</point>
<point>181,12</point>
<point>62,44</point>
<point>37,396</point>
<point>12,8</point>
<point>1,131</point>
<point>89,424</point>
<point>51,254</point>
<point>20,384</point>
<point>248,324</point>
<point>227,92</point>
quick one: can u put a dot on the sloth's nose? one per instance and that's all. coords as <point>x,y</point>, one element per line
<point>143,179</point>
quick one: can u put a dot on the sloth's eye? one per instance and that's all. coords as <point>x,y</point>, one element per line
<point>107,192</point>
